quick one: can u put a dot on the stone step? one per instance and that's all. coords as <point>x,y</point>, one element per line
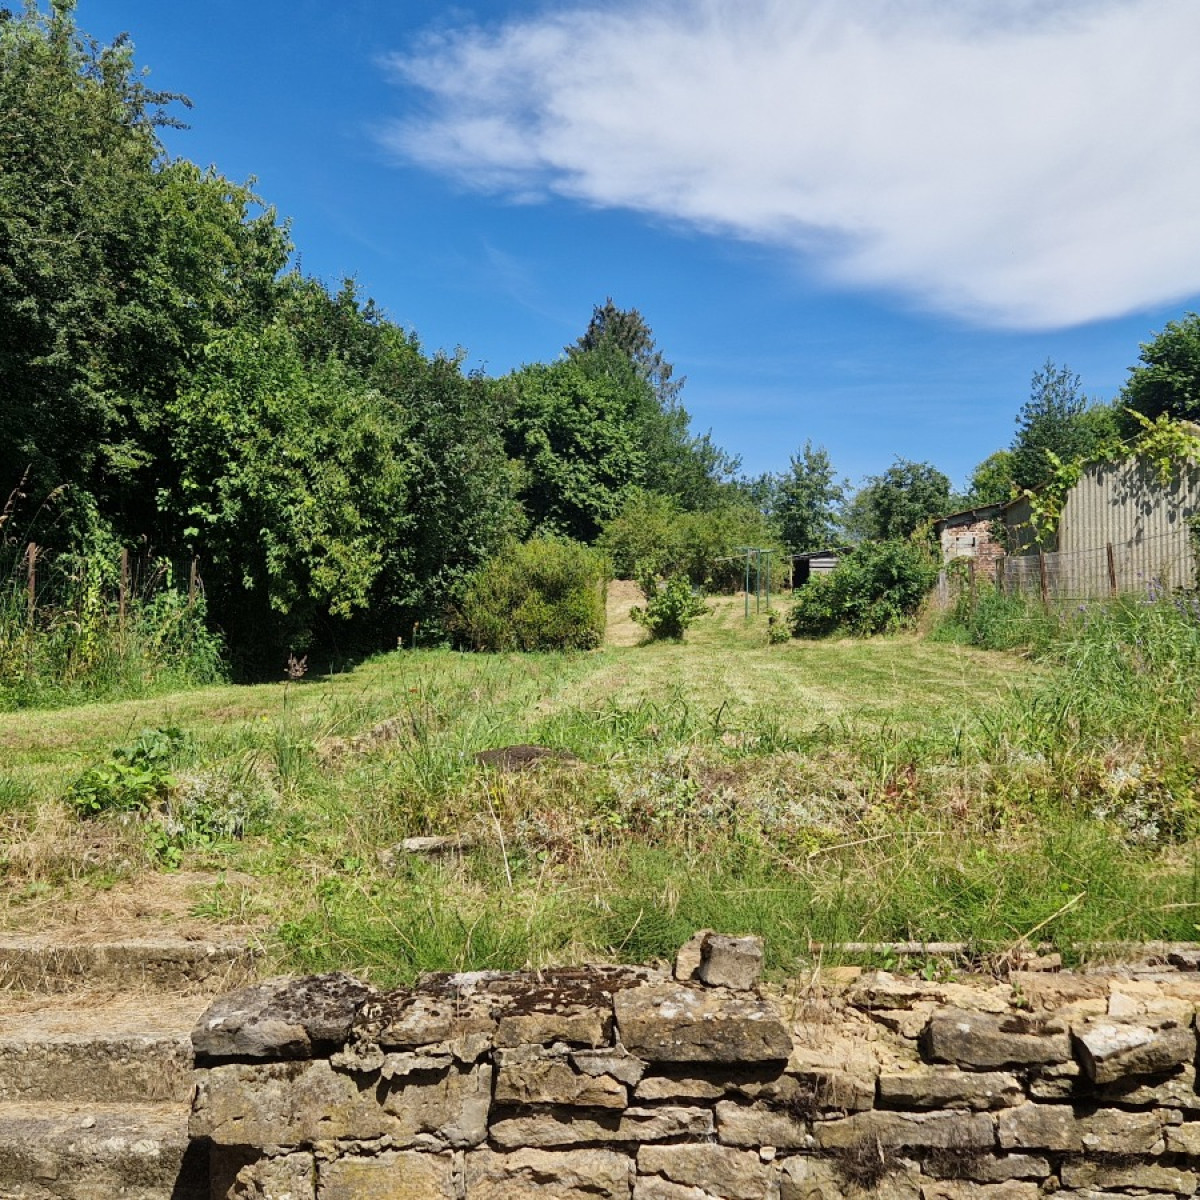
<point>47,965</point>
<point>123,1048</point>
<point>58,1151</point>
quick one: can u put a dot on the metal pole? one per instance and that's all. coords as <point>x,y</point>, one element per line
<point>746,590</point>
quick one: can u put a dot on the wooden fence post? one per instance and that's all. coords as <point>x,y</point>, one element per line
<point>193,575</point>
<point>31,578</point>
<point>1112,570</point>
<point>1000,575</point>
<point>123,595</point>
<point>1042,576</point>
<point>971,585</point>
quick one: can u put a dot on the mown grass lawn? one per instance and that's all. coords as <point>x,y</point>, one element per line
<point>831,792</point>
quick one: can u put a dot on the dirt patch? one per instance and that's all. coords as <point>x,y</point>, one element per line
<point>148,904</point>
<point>621,629</point>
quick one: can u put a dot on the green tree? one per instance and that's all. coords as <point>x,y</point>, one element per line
<point>690,468</point>
<point>626,331</point>
<point>891,506</point>
<point>1167,377</point>
<point>806,500</point>
<point>1059,418</point>
<point>992,481</point>
<point>116,265</point>
<point>574,429</point>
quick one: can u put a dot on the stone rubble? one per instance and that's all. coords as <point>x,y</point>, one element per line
<point>614,1083</point>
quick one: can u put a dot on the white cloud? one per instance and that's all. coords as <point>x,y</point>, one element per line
<point>1019,163</point>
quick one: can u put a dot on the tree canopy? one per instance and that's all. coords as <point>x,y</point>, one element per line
<point>1166,380</point>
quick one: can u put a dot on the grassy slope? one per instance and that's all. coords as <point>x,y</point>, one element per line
<point>828,791</point>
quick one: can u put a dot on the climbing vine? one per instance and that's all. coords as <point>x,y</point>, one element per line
<point>1164,444</point>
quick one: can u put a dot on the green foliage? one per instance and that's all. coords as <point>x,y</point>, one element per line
<point>671,607</point>
<point>1057,424</point>
<point>691,469</point>
<point>645,537</point>
<point>137,778</point>
<point>992,481</point>
<point>806,501</point>
<point>115,267</point>
<point>1166,382</point>
<point>574,430</point>
<point>76,644</point>
<point>544,594</point>
<point>1164,444</point>
<point>895,504</point>
<point>876,588</point>
<point>650,536</point>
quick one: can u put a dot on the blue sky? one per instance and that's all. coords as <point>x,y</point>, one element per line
<point>864,222</point>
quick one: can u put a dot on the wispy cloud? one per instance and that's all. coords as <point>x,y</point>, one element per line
<point>1018,163</point>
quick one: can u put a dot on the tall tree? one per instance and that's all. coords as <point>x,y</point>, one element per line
<point>806,500</point>
<point>625,330</point>
<point>894,504</point>
<point>1057,417</point>
<point>1167,377</point>
<point>116,265</point>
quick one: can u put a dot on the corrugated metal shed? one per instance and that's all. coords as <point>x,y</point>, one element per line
<point>1121,529</point>
<point>1146,521</point>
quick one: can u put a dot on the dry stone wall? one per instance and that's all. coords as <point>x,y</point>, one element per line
<point>632,1084</point>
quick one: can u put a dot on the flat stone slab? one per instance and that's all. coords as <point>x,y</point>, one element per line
<point>983,1041</point>
<point>45,964</point>
<point>280,1019</point>
<point>676,1022</point>
<point>79,1152</point>
<point>123,1049</point>
<point>1111,1050</point>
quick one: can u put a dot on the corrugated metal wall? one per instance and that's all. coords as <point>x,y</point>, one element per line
<point>1121,505</point>
<point>1146,522</point>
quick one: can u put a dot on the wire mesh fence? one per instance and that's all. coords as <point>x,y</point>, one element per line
<point>1151,565</point>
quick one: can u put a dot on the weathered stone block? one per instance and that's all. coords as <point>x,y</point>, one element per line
<point>1184,1139</point>
<point>573,1025</point>
<point>297,1104</point>
<point>682,1087</point>
<point>289,1177</point>
<point>1106,1131</point>
<point>553,1081</point>
<point>654,1187</point>
<point>280,1019</point>
<point>1113,1050</point>
<point>633,1125</point>
<point>403,1175</point>
<point>948,1087</point>
<point>896,1130</point>
<point>527,1174</point>
<point>987,1040</point>
<point>689,955</point>
<point>804,1178</point>
<point>616,1062</point>
<point>985,1167</point>
<point>673,1022</point>
<point>730,962</point>
<point>965,1189</point>
<point>1106,1177</point>
<point>726,1173</point>
<point>753,1125</point>
<point>411,1021</point>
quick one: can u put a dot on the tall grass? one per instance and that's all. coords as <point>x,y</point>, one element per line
<point>75,640</point>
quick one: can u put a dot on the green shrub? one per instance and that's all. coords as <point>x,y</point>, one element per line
<point>876,588</point>
<point>136,779</point>
<point>670,608</point>
<point>544,594</point>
